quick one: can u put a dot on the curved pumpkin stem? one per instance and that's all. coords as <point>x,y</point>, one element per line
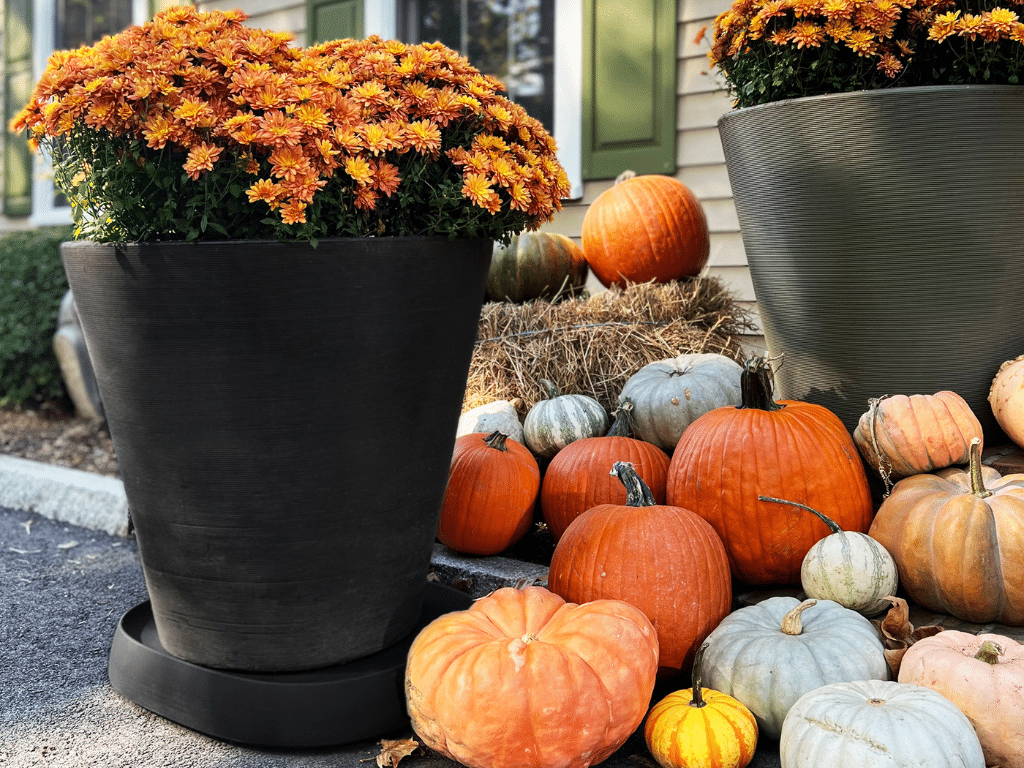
<point>550,389</point>
<point>989,652</point>
<point>497,440</point>
<point>637,492</point>
<point>697,697</point>
<point>977,483</point>
<point>832,524</point>
<point>623,424</point>
<point>756,385</point>
<point>792,623</point>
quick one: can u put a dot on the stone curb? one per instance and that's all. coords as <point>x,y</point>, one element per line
<point>98,503</point>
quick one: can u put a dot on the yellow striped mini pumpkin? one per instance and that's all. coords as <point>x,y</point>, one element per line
<point>701,728</point>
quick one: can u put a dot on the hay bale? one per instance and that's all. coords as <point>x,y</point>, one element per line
<point>592,345</point>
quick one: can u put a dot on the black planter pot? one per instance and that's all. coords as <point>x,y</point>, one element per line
<point>284,419</point>
<point>882,229</point>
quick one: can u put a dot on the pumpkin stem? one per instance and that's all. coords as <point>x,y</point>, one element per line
<point>792,624</point>
<point>882,463</point>
<point>832,524</point>
<point>989,652</point>
<point>756,384</point>
<point>625,176</point>
<point>497,440</point>
<point>637,492</point>
<point>550,389</point>
<point>623,424</point>
<point>977,483</point>
<point>697,698</point>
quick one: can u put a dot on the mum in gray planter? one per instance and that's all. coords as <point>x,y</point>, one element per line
<point>877,165</point>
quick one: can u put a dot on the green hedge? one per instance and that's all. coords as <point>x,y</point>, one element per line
<point>32,284</point>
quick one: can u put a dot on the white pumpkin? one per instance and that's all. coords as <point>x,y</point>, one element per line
<point>770,654</point>
<point>847,567</point>
<point>669,395</point>
<point>877,724</point>
<point>552,424</point>
<point>496,416</point>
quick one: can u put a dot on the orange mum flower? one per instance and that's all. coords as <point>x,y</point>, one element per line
<point>201,158</point>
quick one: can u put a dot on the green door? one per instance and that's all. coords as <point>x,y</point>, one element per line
<point>629,87</point>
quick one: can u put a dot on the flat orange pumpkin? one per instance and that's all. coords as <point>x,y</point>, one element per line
<point>524,679</point>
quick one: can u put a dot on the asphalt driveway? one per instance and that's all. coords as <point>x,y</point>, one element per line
<point>63,589</point>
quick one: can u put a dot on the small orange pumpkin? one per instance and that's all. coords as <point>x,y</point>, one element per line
<point>493,484</point>
<point>644,228</point>
<point>579,477</point>
<point>957,537</point>
<point>665,560</point>
<point>524,679</point>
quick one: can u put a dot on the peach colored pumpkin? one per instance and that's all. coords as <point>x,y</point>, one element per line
<point>906,435</point>
<point>1006,397</point>
<point>524,679</point>
<point>957,537</point>
<point>984,676</point>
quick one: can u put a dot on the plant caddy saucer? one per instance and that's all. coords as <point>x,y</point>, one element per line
<point>360,699</point>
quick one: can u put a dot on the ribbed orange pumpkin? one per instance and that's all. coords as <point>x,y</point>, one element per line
<point>664,560</point>
<point>493,484</point>
<point>906,435</point>
<point>788,449</point>
<point>524,679</point>
<point>645,228</point>
<point>958,541</point>
<point>580,476</point>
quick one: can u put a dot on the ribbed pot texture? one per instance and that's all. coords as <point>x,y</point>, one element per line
<point>882,229</point>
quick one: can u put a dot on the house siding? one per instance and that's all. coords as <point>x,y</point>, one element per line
<point>700,101</point>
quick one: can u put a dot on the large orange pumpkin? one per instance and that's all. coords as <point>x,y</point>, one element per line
<point>957,537</point>
<point>524,679</point>
<point>493,485</point>
<point>645,228</point>
<point>580,476</point>
<point>788,449</point>
<point>666,561</point>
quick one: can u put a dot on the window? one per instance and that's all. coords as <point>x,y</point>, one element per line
<point>60,24</point>
<point>532,46</point>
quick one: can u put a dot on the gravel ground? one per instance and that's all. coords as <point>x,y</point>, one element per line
<point>53,436</point>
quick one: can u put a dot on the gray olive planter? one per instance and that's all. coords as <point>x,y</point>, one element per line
<point>883,232</point>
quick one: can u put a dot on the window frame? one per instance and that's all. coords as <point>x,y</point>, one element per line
<point>44,33</point>
<point>380,17</point>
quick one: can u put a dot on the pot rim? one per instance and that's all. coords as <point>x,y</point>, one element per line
<point>873,93</point>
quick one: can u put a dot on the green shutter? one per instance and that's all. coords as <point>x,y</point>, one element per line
<point>18,85</point>
<point>629,87</point>
<point>333,20</point>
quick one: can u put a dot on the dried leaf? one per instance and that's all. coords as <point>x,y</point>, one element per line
<point>393,750</point>
<point>898,634</point>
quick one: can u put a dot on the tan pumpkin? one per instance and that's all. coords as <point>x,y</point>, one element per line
<point>902,435</point>
<point>524,679</point>
<point>647,227</point>
<point>1006,397</point>
<point>984,676</point>
<point>958,540</point>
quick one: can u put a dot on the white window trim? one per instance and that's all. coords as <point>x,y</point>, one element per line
<point>380,17</point>
<point>44,28</point>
